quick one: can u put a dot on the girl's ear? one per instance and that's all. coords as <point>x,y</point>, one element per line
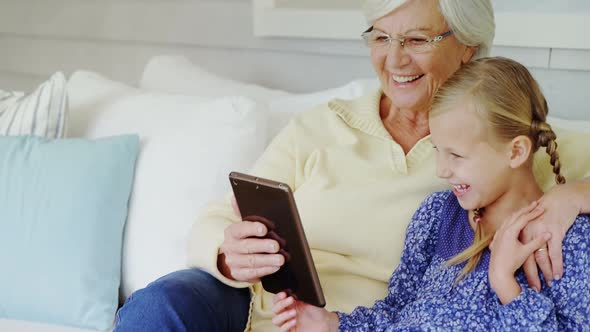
<point>520,150</point>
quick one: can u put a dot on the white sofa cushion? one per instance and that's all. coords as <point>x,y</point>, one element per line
<point>176,74</point>
<point>188,147</point>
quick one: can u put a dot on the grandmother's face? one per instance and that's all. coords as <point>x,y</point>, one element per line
<point>410,79</point>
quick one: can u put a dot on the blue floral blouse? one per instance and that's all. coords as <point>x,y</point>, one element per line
<point>423,295</point>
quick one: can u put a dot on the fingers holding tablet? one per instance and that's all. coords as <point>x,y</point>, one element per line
<point>254,274</point>
<point>246,229</point>
<point>248,258</point>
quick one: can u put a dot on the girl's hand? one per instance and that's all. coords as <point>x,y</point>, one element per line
<point>508,253</point>
<point>561,209</point>
<point>292,315</point>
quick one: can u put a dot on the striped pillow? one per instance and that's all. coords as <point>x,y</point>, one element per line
<point>41,113</point>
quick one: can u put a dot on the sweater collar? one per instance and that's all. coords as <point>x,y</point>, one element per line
<point>363,114</point>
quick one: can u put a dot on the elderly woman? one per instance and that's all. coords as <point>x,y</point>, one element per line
<point>359,169</point>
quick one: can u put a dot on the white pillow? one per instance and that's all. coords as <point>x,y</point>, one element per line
<point>176,74</point>
<point>189,145</point>
<point>41,113</point>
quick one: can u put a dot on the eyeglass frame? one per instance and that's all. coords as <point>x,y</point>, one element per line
<point>402,40</point>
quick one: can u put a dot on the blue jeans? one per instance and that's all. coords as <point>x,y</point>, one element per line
<point>183,301</point>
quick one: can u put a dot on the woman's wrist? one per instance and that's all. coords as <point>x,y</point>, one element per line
<point>505,287</point>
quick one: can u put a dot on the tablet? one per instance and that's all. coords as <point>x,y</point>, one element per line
<point>272,204</point>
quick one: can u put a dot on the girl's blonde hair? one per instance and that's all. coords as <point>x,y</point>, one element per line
<point>507,97</point>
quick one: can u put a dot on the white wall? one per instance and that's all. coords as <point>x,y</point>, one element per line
<point>117,37</point>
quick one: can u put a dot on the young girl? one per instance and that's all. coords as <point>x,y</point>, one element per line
<point>460,267</point>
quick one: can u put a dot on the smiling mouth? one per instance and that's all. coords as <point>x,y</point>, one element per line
<point>461,188</point>
<point>406,79</point>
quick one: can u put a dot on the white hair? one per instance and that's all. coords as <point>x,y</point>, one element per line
<point>472,21</point>
<point>375,9</point>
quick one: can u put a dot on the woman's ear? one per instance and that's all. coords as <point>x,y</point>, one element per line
<point>520,150</point>
<point>468,54</point>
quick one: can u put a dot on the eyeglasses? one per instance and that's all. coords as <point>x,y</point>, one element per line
<point>379,40</point>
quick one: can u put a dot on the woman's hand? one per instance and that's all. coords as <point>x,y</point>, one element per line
<point>292,315</point>
<point>561,205</point>
<point>245,255</point>
<point>508,253</point>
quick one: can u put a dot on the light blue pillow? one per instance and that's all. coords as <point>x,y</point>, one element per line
<point>63,206</point>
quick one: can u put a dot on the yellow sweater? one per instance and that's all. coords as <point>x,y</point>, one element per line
<point>356,192</point>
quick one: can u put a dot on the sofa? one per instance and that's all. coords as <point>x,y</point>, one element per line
<point>193,128</point>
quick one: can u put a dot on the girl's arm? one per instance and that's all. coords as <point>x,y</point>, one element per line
<point>529,311</point>
<point>564,305</point>
<point>518,308</point>
<point>404,283</point>
<point>571,294</point>
<point>562,204</point>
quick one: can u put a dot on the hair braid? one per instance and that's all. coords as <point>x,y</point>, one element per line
<point>546,138</point>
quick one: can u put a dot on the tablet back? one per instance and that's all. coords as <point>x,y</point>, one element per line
<point>272,204</point>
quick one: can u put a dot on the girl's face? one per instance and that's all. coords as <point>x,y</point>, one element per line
<point>470,158</point>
